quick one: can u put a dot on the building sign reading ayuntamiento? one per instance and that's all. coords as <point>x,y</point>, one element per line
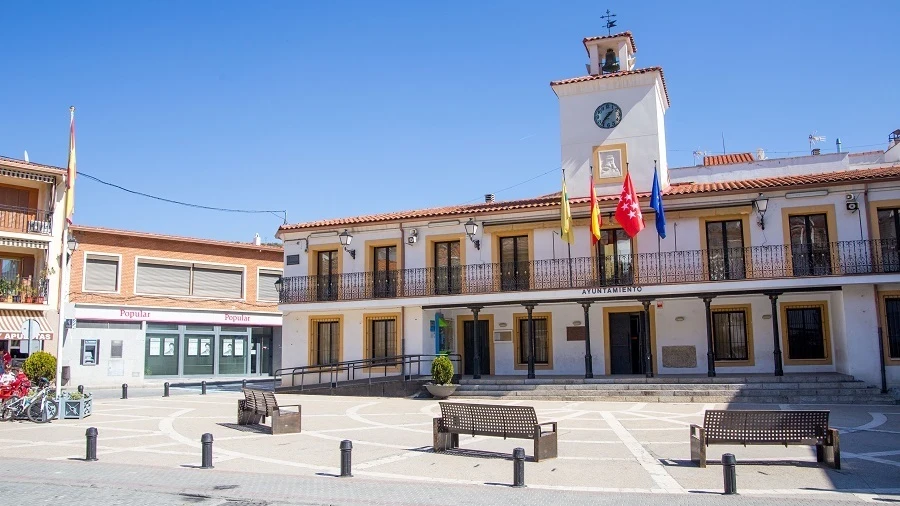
<point>612,289</point>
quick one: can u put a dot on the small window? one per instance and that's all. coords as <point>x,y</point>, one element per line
<point>115,349</point>
<point>89,351</point>
<point>267,291</point>
<point>162,326</point>
<point>101,273</point>
<point>293,260</point>
<point>541,341</point>
<point>730,340</point>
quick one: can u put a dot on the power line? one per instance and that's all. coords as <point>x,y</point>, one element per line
<point>279,213</point>
<point>518,184</point>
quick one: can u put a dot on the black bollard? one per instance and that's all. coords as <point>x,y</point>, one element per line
<point>81,389</point>
<point>728,464</point>
<point>519,467</point>
<point>346,450</point>
<point>206,440</point>
<point>124,390</point>
<point>203,388</point>
<point>166,389</point>
<point>91,453</point>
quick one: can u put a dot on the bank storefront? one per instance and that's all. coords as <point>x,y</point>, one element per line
<point>112,345</point>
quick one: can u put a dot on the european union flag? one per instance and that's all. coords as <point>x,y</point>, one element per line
<point>657,205</point>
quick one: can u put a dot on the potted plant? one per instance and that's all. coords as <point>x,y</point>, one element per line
<point>441,377</point>
<point>75,405</point>
<point>4,291</point>
<point>16,294</point>
<point>28,293</point>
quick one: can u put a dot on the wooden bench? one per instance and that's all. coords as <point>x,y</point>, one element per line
<point>767,428</point>
<point>258,404</point>
<point>517,422</point>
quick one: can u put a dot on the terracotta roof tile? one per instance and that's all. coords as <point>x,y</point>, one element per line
<point>22,164</point>
<point>891,172</point>
<point>728,159</point>
<point>164,237</point>
<point>603,37</point>
<point>617,74</point>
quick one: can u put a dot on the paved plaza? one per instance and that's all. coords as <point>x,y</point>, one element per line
<point>151,445</point>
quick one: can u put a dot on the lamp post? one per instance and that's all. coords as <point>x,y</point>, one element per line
<point>346,238</point>
<point>279,284</point>
<point>761,205</point>
<point>471,230</point>
<point>70,244</point>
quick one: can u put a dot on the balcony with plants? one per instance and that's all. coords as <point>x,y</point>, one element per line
<point>28,290</point>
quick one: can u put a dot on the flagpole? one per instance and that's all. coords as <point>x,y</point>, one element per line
<point>63,262</point>
<point>568,244</point>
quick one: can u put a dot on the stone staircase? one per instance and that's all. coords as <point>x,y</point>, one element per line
<point>813,388</point>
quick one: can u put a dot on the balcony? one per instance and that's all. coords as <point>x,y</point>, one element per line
<point>846,258</point>
<point>23,291</point>
<point>25,220</point>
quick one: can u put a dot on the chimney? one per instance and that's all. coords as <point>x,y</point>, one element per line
<point>838,144</point>
<point>256,240</point>
<point>488,198</point>
<point>760,154</point>
<point>816,151</point>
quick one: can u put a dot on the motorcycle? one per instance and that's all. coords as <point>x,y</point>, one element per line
<point>14,386</point>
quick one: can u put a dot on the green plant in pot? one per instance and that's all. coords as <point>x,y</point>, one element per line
<point>441,378</point>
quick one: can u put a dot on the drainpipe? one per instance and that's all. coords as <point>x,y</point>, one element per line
<point>873,258</point>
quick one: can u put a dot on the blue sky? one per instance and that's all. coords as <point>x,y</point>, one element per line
<point>330,109</point>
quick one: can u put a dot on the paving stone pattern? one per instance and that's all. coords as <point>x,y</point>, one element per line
<point>637,453</point>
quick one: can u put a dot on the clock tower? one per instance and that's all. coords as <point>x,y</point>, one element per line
<point>612,120</point>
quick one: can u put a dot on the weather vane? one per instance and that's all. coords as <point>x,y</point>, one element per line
<point>610,22</point>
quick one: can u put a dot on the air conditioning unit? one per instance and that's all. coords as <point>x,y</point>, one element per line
<point>39,227</point>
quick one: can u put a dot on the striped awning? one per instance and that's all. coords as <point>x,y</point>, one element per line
<point>24,243</point>
<point>11,323</point>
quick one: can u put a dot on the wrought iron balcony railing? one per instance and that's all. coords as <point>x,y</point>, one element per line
<point>26,220</point>
<point>643,269</point>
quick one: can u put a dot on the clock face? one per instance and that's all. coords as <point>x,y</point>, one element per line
<point>608,115</point>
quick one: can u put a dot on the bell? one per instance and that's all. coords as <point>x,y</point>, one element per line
<point>611,63</point>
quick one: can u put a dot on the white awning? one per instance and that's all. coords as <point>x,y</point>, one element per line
<point>24,243</point>
<point>11,323</point>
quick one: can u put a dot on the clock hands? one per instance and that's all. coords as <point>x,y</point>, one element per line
<point>607,116</point>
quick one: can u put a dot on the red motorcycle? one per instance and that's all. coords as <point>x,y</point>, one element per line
<point>17,386</point>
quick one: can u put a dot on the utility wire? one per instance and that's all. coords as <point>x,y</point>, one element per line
<point>518,184</point>
<point>279,213</point>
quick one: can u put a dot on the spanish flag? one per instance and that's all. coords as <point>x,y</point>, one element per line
<point>595,214</point>
<point>70,174</point>
<point>567,231</point>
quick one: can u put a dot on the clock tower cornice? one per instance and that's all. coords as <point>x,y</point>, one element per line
<point>606,82</point>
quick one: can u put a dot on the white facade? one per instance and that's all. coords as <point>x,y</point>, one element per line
<point>818,248</point>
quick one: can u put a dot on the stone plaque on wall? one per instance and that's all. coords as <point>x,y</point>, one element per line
<point>575,333</point>
<point>679,357</point>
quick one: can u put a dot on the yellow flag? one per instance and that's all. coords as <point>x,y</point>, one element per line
<point>70,174</point>
<point>567,231</point>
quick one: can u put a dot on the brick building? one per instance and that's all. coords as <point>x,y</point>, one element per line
<point>148,305</point>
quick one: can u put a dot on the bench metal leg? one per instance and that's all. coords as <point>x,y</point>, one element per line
<point>698,445</point>
<point>545,447</point>
<point>833,449</point>
<point>442,441</point>
<point>246,416</point>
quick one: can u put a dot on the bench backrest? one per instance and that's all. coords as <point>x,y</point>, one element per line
<point>260,401</point>
<point>748,427</point>
<point>489,419</point>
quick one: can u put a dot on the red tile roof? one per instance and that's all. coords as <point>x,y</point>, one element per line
<point>728,159</point>
<point>164,237</point>
<point>22,164</point>
<point>462,211</point>
<point>603,37</point>
<point>617,74</point>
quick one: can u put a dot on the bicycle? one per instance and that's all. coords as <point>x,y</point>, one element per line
<point>38,407</point>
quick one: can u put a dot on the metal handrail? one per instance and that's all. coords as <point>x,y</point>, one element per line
<point>352,370</point>
<point>842,258</point>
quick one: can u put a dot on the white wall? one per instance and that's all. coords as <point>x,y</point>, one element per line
<point>639,98</point>
<point>108,371</point>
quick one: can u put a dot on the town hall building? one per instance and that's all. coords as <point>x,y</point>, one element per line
<point>781,265</point>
